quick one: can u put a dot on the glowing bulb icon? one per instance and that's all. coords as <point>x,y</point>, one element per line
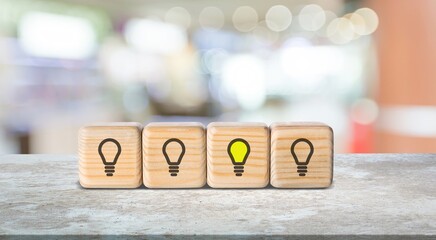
<point>173,165</point>
<point>302,165</point>
<point>238,150</point>
<point>109,166</point>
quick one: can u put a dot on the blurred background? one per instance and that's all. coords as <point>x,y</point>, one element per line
<point>367,68</point>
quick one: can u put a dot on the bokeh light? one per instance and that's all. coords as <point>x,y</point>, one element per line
<point>244,78</point>
<point>155,37</point>
<point>340,31</point>
<point>245,18</point>
<point>215,61</point>
<point>178,16</point>
<point>371,20</point>
<point>211,18</point>
<point>329,17</point>
<point>57,36</point>
<point>311,17</point>
<point>364,111</point>
<point>278,18</point>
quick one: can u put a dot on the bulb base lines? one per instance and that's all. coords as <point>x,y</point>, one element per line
<point>173,170</point>
<point>302,170</point>
<point>238,170</point>
<point>109,170</point>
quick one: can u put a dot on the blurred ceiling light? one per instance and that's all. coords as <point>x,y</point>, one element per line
<point>364,111</point>
<point>211,18</point>
<point>278,18</point>
<point>312,17</point>
<point>56,36</point>
<point>155,37</point>
<point>245,18</point>
<point>371,20</point>
<point>308,66</point>
<point>340,31</point>
<point>122,65</point>
<point>244,77</point>
<point>178,16</point>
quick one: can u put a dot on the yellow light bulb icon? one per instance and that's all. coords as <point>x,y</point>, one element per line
<point>238,150</point>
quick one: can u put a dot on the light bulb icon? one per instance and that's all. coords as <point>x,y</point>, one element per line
<point>238,150</point>
<point>173,165</point>
<point>302,165</point>
<point>109,166</point>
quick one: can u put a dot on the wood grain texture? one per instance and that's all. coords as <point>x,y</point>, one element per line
<point>128,168</point>
<point>220,168</point>
<point>192,168</point>
<point>283,165</point>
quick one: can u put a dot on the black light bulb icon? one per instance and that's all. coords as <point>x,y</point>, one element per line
<point>109,166</point>
<point>302,165</point>
<point>173,165</point>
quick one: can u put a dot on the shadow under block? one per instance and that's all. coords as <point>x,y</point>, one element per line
<point>174,155</point>
<point>237,155</point>
<point>301,155</point>
<point>110,155</point>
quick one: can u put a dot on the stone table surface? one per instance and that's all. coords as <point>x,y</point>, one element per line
<point>376,194</point>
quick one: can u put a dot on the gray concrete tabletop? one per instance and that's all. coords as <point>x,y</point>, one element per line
<point>374,194</point>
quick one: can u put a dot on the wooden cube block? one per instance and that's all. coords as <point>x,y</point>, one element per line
<point>110,155</point>
<point>237,155</point>
<point>174,155</point>
<point>301,155</point>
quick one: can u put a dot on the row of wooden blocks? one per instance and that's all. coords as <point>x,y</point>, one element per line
<point>225,155</point>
